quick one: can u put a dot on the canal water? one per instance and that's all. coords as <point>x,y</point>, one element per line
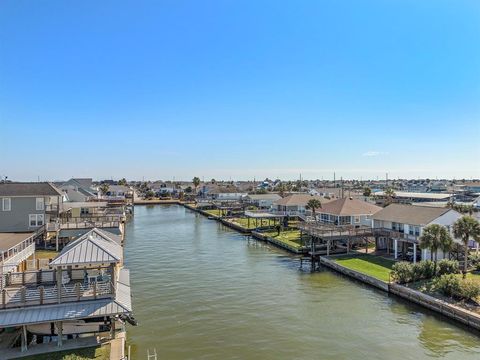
<point>203,291</point>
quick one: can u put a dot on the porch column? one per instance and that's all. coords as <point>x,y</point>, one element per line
<point>328,247</point>
<point>112,328</point>
<point>59,333</point>
<point>24,338</point>
<point>414,253</point>
<point>395,248</point>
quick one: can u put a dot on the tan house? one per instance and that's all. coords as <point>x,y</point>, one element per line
<point>296,204</point>
<point>347,211</point>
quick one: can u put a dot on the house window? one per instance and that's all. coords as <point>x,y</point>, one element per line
<point>36,220</point>
<point>39,204</point>
<point>357,219</point>
<point>6,204</point>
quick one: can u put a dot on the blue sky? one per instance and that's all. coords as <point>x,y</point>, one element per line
<point>239,89</point>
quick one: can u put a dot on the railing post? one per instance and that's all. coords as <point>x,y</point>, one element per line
<point>95,290</point>
<point>77,291</point>
<point>4,298</point>
<point>41,290</point>
<point>23,294</point>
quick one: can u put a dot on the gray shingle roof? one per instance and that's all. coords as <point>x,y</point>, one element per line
<point>28,189</point>
<point>410,214</point>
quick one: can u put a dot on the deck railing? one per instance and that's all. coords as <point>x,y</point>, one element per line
<point>77,291</point>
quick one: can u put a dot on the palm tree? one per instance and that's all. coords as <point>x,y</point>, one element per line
<point>389,195</point>
<point>466,228</point>
<point>435,237</point>
<point>196,182</point>
<point>104,188</point>
<point>314,204</point>
<point>367,191</point>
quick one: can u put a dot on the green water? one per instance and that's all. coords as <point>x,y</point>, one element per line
<point>202,291</point>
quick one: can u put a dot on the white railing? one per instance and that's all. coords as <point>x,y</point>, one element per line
<point>12,262</point>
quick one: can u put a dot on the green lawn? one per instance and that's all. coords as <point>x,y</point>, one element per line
<point>371,265</point>
<point>94,353</point>
<point>290,237</point>
<point>215,212</point>
<point>243,222</point>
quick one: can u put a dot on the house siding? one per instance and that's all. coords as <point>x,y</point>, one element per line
<point>16,220</point>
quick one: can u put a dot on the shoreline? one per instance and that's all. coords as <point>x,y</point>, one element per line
<point>450,311</point>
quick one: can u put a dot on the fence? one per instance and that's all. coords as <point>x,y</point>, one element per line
<point>23,296</point>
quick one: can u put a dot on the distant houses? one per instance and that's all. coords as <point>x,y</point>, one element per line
<point>296,204</point>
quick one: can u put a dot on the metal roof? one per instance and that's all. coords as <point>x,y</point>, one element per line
<point>58,312</point>
<point>94,247</point>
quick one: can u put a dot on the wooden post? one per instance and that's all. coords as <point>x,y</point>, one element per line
<point>24,338</point>
<point>60,333</point>
<point>328,247</point>
<point>95,290</point>
<point>112,328</point>
<point>77,291</point>
<point>4,298</point>
<point>41,290</point>
<point>58,274</point>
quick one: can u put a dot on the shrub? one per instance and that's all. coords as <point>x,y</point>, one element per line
<point>402,272</point>
<point>469,289</point>
<point>449,285</point>
<point>475,261</point>
<point>417,271</point>
<point>446,266</point>
<point>428,269</point>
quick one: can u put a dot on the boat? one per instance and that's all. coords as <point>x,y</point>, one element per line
<point>70,327</point>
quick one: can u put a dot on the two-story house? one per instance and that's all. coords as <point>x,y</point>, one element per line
<point>296,204</point>
<point>403,225</point>
<point>25,207</point>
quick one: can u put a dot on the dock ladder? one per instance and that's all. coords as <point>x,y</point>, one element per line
<point>152,356</point>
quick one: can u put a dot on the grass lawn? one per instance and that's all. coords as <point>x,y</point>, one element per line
<point>215,212</point>
<point>374,266</point>
<point>96,353</point>
<point>290,237</point>
<point>243,222</point>
<point>45,254</point>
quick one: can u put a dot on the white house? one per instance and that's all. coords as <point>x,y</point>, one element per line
<point>404,224</point>
<point>264,201</point>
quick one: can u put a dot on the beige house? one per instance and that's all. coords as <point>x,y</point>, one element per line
<point>347,211</point>
<point>296,204</point>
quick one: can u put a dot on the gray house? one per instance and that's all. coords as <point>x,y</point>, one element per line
<point>25,207</point>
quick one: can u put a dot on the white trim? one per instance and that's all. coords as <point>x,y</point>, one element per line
<point>36,220</point>
<point>6,201</point>
<point>39,204</point>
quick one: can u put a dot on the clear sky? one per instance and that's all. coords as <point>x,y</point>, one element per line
<point>239,89</point>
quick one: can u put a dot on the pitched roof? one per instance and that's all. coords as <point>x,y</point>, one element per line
<point>300,200</point>
<point>93,247</point>
<point>349,206</point>
<point>264,197</point>
<point>28,189</point>
<point>410,214</point>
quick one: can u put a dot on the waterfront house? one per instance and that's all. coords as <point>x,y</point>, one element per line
<point>347,211</point>
<point>116,192</point>
<point>26,207</point>
<point>78,190</point>
<point>263,201</point>
<point>296,204</point>
<point>404,197</point>
<point>403,224</point>
<point>83,293</point>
